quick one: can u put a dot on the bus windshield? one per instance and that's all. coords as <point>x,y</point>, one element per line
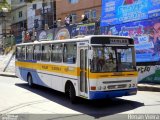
<point>112,59</point>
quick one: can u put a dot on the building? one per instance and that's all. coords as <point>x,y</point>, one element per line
<point>77,8</point>
<point>40,14</point>
<point>18,16</point>
<point>28,16</point>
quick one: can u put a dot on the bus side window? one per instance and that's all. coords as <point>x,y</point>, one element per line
<point>23,53</point>
<point>37,52</point>
<point>70,53</point>
<point>56,53</point>
<point>46,50</point>
<point>18,52</point>
<point>29,53</point>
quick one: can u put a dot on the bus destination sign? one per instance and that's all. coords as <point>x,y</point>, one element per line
<point>118,41</point>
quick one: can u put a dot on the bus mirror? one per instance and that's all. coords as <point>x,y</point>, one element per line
<point>90,54</point>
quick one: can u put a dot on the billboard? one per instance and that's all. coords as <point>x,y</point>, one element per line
<point>121,11</point>
<point>146,36</point>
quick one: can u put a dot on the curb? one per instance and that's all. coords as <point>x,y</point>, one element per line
<point>8,75</point>
<point>149,87</point>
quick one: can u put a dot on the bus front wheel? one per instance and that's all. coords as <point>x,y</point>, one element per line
<point>30,81</point>
<point>72,93</point>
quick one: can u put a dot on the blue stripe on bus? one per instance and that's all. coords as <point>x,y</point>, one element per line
<point>111,94</point>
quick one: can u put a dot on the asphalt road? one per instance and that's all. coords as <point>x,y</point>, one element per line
<point>17,98</point>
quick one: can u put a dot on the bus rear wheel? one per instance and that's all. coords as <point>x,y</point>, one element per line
<point>30,81</point>
<point>72,94</point>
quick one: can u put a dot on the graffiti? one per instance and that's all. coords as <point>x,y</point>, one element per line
<point>144,69</point>
<point>42,35</point>
<point>62,34</point>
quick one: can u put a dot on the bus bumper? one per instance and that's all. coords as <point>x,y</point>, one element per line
<point>112,94</point>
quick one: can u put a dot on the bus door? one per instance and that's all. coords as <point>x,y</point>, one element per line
<point>83,71</point>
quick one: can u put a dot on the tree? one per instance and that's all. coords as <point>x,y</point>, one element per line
<point>4,4</point>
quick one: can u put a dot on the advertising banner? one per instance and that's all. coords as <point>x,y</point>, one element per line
<point>121,11</point>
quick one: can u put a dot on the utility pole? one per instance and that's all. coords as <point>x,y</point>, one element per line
<point>43,12</point>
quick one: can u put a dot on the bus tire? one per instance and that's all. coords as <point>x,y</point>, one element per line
<point>72,94</point>
<point>30,80</point>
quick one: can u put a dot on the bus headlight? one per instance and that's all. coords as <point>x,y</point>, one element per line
<point>134,85</point>
<point>130,85</point>
<point>104,87</point>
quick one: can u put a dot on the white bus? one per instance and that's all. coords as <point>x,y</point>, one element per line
<point>92,67</point>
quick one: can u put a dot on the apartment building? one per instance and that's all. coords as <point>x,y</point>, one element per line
<point>28,15</point>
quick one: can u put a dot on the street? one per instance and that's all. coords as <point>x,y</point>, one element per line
<point>18,98</point>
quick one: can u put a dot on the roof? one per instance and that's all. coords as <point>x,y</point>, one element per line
<point>45,41</point>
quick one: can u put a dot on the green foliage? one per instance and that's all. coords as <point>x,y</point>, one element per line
<point>30,1</point>
<point>5,4</point>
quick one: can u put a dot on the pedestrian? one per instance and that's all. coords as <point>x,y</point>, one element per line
<point>84,19</point>
<point>67,20</point>
<point>27,37</point>
<point>59,22</point>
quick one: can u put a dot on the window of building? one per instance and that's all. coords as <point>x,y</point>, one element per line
<point>70,53</point>
<point>20,14</point>
<point>34,6</point>
<point>73,1</point>
<point>37,52</point>
<point>44,4</point>
<point>46,52</point>
<point>29,53</point>
<point>93,13</point>
<point>90,13</point>
<point>73,18</point>
<point>87,14</point>
<point>56,54</point>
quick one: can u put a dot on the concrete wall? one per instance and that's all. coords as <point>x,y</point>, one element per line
<point>149,74</point>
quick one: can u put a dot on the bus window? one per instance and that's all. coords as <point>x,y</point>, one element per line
<point>125,59</point>
<point>70,53</point>
<point>104,60</point>
<point>46,53</point>
<point>22,54</point>
<point>56,53</point>
<point>18,52</point>
<point>37,52</point>
<point>29,53</point>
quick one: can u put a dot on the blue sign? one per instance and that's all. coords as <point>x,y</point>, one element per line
<point>121,11</point>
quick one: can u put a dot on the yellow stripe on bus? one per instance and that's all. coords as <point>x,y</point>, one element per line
<point>113,75</point>
<point>74,71</point>
<point>50,68</point>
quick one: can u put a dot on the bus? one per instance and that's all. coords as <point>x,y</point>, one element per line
<point>91,67</point>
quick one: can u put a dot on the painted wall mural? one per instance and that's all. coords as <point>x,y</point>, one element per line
<point>146,35</point>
